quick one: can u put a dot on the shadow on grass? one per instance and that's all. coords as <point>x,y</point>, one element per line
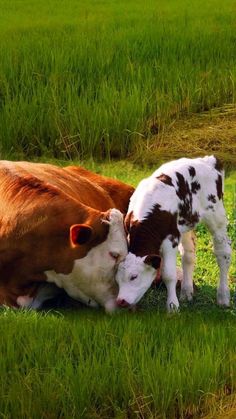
<point>204,301</point>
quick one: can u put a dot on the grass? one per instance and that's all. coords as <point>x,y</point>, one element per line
<point>85,364</point>
<point>101,78</point>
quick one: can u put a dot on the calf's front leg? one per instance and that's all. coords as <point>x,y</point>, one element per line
<point>169,253</point>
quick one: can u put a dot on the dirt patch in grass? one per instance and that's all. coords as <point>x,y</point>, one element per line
<point>212,132</point>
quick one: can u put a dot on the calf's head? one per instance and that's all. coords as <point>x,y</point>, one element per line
<point>134,276</point>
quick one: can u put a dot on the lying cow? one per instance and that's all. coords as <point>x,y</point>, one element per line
<point>58,226</point>
<point>163,211</point>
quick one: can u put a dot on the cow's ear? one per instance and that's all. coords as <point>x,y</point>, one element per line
<point>80,234</point>
<point>127,222</point>
<point>153,260</point>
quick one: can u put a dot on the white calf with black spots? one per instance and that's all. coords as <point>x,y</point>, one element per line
<point>163,211</point>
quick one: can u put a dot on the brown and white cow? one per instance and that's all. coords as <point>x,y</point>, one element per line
<point>163,211</point>
<point>58,226</point>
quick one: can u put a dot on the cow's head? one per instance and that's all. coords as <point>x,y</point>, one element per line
<point>134,276</point>
<point>105,233</point>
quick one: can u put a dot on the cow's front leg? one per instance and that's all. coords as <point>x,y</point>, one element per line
<point>169,252</point>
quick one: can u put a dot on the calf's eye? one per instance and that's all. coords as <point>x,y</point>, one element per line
<point>133,277</point>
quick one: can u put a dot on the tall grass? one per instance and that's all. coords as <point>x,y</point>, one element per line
<point>91,78</point>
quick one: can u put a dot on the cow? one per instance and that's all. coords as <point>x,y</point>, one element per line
<point>163,211</point>
<point>57,226</point>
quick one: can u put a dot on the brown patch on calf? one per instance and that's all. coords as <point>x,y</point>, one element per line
<point>219,187</point>
<point>192,171</point>
<point>165,179</point>
<point>219,165</point>
<point>210,207</point>
<point>212,198</point>
<point>147,235</point>
<point>195,186</point>
<point>175,241</point>
<point>183,186</point>
<point>186,214</point>
<point>153,260</point>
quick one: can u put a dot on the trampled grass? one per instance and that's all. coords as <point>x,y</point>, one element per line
<point>85,364</point>
<point>94,78</point>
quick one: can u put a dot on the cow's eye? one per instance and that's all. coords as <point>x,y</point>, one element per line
<point>114,255</point>
<point>133,277</point>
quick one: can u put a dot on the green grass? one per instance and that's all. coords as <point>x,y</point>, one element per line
<point>85,364</point>
<point>97,77</point>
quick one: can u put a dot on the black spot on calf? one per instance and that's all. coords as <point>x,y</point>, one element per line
<point>212,198</point>
<point>183,186</point>
<point>219,187</point>
<point>195,186</point>
<point>218,165</point>
<point>192,171</point>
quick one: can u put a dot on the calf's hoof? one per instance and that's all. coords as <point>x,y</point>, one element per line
<point>173,307</point>
<point>186,294</point>
<point>223,298</point>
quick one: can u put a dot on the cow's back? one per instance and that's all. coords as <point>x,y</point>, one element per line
<point>76,187</point>
<point>118,191</point>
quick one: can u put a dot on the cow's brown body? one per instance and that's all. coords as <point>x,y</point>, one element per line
<point>38,205</point>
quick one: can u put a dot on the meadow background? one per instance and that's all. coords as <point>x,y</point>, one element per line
<point>142,81</point>
<point>103,78</point>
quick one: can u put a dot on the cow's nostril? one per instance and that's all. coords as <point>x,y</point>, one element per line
<point>122,303</point>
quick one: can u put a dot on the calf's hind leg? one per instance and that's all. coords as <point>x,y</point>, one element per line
<point>217,225</point>
<point>187,251</point>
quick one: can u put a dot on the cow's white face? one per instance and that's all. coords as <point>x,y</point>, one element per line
<point>134,276</point>
<point>116,241</point>
<point>93,276</point>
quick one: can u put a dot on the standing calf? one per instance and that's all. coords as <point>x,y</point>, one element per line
<point>163,211</point>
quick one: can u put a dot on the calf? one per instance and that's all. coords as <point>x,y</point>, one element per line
<point>162,213</point>
<point>57,226</point>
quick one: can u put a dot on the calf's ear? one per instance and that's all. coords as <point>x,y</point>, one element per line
<point>153,260</point>
<point>80,234</point>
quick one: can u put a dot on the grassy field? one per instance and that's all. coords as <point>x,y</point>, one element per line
<point>85,364</point>
<point>105,79</point>
<point>101,77</point>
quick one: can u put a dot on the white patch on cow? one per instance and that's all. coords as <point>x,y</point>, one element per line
<point>92,278</point>
<point>24,301</point>
<point>134,277</point>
